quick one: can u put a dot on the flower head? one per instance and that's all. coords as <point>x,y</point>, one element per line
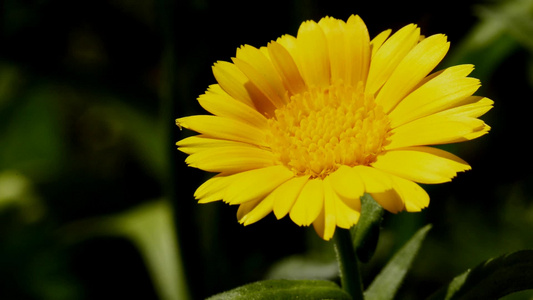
<point>308,124</point>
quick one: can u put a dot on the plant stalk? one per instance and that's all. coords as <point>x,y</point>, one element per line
<point>348,264</point>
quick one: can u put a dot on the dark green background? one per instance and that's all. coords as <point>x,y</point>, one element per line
<point>89,91</point>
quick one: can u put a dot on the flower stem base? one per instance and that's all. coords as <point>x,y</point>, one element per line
<point>348,264</point>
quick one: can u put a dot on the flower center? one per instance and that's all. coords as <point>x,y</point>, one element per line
<point>323,128</point>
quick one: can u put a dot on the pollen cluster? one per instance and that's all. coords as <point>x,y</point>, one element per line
<point>323,128</point>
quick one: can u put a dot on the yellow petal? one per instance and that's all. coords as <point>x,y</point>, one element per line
<point>446,90</point>
<point>334,30</point>
<point>414,197</point>
<point>231,159</point>
<point>421,164</point>
<point>389,200</point>
<point>328,217</point>
<point>405,195</point>
<point>375,181</point>
<point>347,183</point>
<point>265,97</point>
<point>262,74</point>
<point>224,105</point>
<point>213,189</point>
<point>286,194</point>
<point>357,59</point>
<point>217,89</point>
<point>309,203</point>
<point>473,135</point>
<point>434,130</point>
<point>349,49</point>
<point>389,55</point>
<point>232,81</point>
<point>197,143</point>
<point>286,67</point>
<point>312,55</point>
<point>319,225</point>
<point>377,41</point>
<point>345,216</point>
<point>263,65</point>
<point>421,60</point>
<point>245,208</point>
<point>259,211</point>
<point>288,42</point>
<point>476,109</point>
<point>473,107</point>
<point>256,184</point>
<point>224,128</point>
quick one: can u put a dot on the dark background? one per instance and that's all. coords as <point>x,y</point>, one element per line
<point>89,91</point>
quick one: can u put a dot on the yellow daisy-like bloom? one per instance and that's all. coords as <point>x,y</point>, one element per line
<point>308,124</point>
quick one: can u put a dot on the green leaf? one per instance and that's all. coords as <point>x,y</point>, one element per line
<point>365,234</point>
<point>502,29</point>
<point>32,135</point>
<point>304,266</point>
<point>150,227</point>
<point>515,17</point>
<point>16,190</point>
<point>389,280</point>
<point>492,279</point>
<point>141,129</point>
<point>285,289</point>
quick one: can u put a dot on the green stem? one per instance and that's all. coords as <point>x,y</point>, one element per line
<point>348,264</point>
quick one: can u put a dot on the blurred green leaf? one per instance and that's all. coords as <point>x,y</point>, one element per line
<point>10,81</point>
<point>515,18</point>
<point>144,131</point>
<point>304,267</point>
<point>16,190</point>
<point>492,279</point>
<point>501,30</point>
<point>365,234</point>
<point>151,228</point>
<point>389,280</point>
<point>32,135</point>
<point>285,289</point>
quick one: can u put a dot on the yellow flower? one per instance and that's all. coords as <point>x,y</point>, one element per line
<point>308,124</point>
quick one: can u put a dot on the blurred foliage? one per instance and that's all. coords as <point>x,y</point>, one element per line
<point>492,279</point>
<point>389,280</point>
<point>89,91</point>
<point>285,289</point>
<point>150,227</point>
